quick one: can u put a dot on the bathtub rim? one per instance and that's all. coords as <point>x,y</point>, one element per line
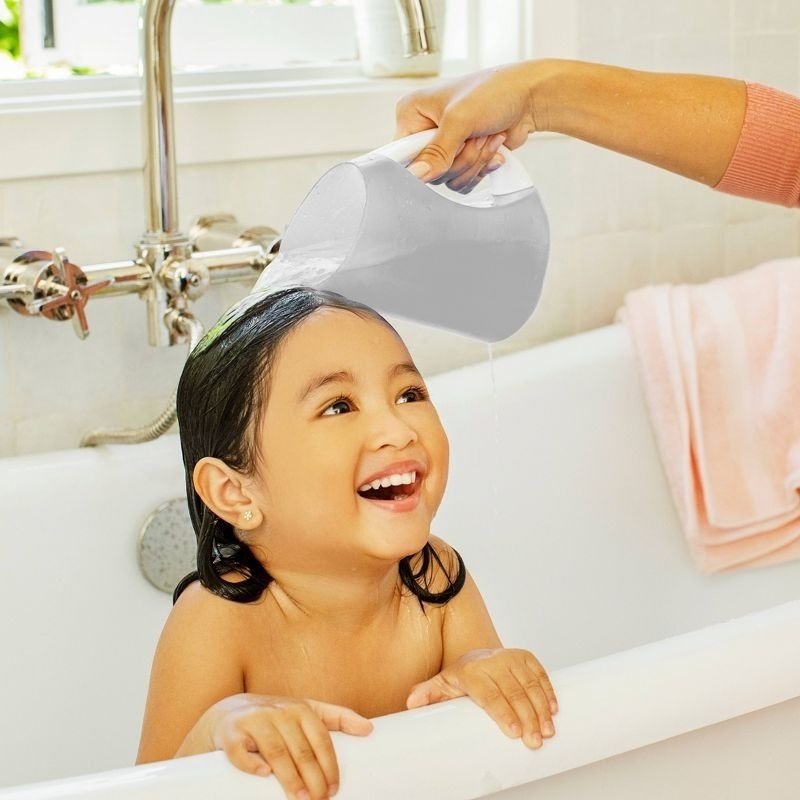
<point>609,706</point>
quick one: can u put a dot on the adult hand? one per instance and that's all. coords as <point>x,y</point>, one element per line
<point>474,116</point>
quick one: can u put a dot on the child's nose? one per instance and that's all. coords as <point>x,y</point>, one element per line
<point>389,429</point>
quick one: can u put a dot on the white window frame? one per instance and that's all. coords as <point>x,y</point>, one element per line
<point>92,124</point>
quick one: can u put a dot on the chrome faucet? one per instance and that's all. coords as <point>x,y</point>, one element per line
<point>418,26</point>
<point>171,268</point>
<point>161,197</point>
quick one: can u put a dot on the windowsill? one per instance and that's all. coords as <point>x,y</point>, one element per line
<point>93,124</point>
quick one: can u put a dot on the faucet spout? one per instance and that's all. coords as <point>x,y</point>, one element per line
<point>418,27</point>
<point>161,200</point>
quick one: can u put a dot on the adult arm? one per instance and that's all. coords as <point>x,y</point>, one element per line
<point>688,124</point>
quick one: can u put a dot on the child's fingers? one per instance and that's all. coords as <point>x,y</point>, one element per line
<point>423,694</point>
<point>509,685</point>
<point>320,741</point>
<point>492,698</point>
<point>535,666</point>
<point>340,718</point>
<point>523,685</point>
<point>245,757</point>
<point>304,759</point>
<point>434,690</point>
<point>290,742</point>
<point>508,704</point>
<point>530,702</point>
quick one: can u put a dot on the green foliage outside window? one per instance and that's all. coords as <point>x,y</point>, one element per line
<point>9,28</point>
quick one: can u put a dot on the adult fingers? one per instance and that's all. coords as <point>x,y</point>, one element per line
<point>411,116</point>
<point>473,162</point>
<point>464,162</point>
<point>437,157</point>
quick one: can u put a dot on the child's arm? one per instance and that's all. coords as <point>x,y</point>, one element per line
<point>511,685</point>
<point>196,703</point>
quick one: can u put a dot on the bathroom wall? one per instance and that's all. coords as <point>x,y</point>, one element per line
<point>616,224</point>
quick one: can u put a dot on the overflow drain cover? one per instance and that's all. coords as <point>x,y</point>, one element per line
<point>167,545</point>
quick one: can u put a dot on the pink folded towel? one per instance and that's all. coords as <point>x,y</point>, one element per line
<point>720,367</point>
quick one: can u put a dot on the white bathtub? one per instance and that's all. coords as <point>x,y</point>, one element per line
<point>671,683</point>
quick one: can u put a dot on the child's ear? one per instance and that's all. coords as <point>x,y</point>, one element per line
<point>225,492</point>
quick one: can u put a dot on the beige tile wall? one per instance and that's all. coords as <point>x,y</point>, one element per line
<point>616,224</point>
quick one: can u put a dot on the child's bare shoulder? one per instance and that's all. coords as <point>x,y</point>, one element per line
<point>199,613</point>
<point>201,655</point>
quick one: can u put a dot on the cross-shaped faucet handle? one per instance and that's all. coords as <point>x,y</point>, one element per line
<point>74,291</point>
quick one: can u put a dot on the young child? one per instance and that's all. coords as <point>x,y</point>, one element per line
<point>315,463</point>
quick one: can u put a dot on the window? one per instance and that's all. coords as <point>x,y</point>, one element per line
<point>101,36</point>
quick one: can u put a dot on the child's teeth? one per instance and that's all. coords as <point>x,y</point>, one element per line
<point>397,479</point>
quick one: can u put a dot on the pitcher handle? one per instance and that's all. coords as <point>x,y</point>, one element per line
<point>510,177</point>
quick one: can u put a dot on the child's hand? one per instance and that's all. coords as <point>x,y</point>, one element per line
<point>285,737</point>
<point>510,685</point>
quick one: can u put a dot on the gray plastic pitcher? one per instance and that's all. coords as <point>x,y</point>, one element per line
<point>368,229</point>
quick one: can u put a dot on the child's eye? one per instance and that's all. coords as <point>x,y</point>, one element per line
<point>341,405</point>
<point>413,395</point>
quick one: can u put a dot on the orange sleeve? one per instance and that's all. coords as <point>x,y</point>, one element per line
<point>766,162</point>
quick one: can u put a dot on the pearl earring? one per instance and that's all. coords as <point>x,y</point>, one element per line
<point>248,515</point>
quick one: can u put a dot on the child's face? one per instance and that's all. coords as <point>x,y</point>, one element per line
<point>346,408</point>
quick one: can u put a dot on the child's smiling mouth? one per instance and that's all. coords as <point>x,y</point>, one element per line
<point>394,489</point>
<point>396,486</point>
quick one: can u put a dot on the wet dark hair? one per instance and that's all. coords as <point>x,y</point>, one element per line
<point>219,407</point>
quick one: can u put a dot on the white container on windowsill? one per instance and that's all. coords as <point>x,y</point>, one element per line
<point>381,41</point>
